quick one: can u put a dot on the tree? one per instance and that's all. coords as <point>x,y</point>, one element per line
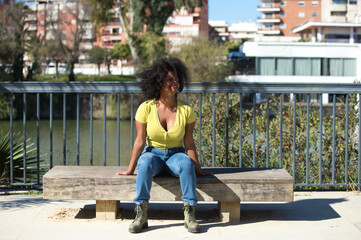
<point>52,52</point>
<point>69,34</point>
<point>34,50</point>
<point>206,60</point>
<point>121,51</point>
<point>5,47</point>
<point>17,32</point>
<point>153,14</point>
<point>97,55</point>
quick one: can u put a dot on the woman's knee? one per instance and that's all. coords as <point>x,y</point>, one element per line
<point>145,161</point>
<point>186,164</point>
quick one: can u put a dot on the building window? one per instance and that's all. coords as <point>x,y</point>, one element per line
<point>41,32</point>
<point>301,14</point>
<point>307,66</point>
<point>314,14</point>
<point>301,3</point>
<point>268,15</point>
<point>352,2</point>
<point>283,26</point>
<point>41,23</point>
<point>283,14</point>
<point>268,26</point>
<point>63,32</point>
<point>283,3</point>
<point>339,1</point>
<point>268,4</point>
<point>314,3</point>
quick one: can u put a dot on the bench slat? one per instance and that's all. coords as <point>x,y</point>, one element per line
<point>227,184</point>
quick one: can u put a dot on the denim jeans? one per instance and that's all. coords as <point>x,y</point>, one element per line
<point>172,161</point>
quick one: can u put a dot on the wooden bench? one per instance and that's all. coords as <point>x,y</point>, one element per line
<point>228,186</point>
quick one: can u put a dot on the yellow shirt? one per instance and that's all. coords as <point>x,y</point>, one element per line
<point>156,135</point>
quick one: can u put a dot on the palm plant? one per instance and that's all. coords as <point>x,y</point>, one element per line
<point>18,158</point>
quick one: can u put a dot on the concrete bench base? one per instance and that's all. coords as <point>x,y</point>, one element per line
<point>227,186</point>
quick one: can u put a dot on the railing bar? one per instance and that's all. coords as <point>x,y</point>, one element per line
<point>131,122</point>
<point>38,137</point>
<point>24,136</point>
<point>200,130</point>
<point>11,139</point>
<point>240,129</point>
<point>64,129</point>
<point>254,130</point>
<point>91,129</point>
<point>359,143</point>
<point>333,138</point>
<point>227,128</point>
<point>346,147</point>
<point>118,129</point>
<point>214,130</point>
<point>77,129</point>
<point>267,132</point>
<point>51,130</point>
<point>308,139</point>
<point>294,136</point>
<point>105,130</point>
<point>281,123</point>
<point>320,150</point>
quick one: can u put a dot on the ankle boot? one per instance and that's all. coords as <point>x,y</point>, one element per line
<point>190,221</point>
<point>141,220</point>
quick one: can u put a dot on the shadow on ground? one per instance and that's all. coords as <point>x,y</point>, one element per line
<point>302,210</point>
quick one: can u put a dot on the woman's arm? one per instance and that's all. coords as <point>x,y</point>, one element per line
<point>138,148</point>
<point>191,149</point>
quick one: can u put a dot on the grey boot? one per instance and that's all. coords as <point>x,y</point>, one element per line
<point>190,221</point>
<point>141,220</point>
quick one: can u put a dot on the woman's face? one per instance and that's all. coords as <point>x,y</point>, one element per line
<point>171,83</point>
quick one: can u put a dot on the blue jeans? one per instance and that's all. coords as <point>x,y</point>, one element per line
<point>173,161</point>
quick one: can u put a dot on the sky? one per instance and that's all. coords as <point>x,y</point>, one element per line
<point>233,10</point>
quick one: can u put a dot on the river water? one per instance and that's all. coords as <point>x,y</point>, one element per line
<point>84,141</point>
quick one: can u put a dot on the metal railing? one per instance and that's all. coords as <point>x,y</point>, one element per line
<point>198,90</point>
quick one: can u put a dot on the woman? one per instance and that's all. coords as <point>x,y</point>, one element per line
<point>164,124</point>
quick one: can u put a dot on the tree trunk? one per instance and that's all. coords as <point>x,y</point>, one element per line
<point>131,44</point>
<point>56,69</point>
<point>71,63</point>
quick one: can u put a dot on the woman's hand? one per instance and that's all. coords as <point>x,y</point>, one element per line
<point>124,172</point>
<point>203,173</point>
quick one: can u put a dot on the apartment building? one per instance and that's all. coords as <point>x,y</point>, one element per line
<point>280,17</point>
<point>180,28</point>
<point>67,18</point>
<point>185,24</point>
<point>340,23</point>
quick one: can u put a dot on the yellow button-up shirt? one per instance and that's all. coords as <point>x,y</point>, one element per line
<point>157,136</point>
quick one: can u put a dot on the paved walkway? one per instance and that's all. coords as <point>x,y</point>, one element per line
<point>313,215</point>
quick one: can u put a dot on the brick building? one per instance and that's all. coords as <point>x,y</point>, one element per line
<point>280,17</point>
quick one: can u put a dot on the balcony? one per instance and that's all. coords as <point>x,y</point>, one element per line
<point>269,32</point>
<point>338,7</point>
<point>268,9</point>
<point>111,34</point>
<point>268,20</point>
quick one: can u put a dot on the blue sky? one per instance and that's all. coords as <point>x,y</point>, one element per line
<point>233,10</point>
